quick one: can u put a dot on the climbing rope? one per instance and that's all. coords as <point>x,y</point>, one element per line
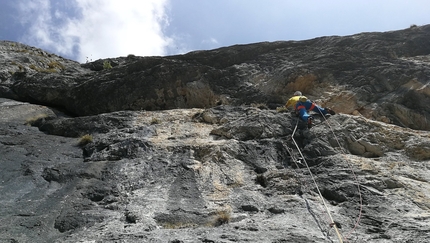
<point>305,187</point>
<point>332,223</point>
<point>353,173</point>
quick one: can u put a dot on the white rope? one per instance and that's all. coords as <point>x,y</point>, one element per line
<point>353,173</point>
<point>332,223</point>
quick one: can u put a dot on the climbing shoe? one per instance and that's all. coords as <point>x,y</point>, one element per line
<point>330,111</point>
<point>310,119</point>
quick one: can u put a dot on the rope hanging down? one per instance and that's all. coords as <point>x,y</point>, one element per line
<point>332,223</point>
<point>304,184</point>
<point>353,173</point>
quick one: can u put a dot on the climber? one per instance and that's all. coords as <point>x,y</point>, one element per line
<point>302,105</point>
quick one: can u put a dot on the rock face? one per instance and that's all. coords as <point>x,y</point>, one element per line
<point>186,148</point>
<point>382,76</point>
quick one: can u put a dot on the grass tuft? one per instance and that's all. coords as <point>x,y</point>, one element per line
<point>260,106</point>
<point>86,139</point>
<point>221,217</point>
<point>32,121</point>
<point>281,109</point>
<point>55,65</point>
<point>155,121</point>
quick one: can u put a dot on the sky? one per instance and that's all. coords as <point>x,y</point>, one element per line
<point>87,30</point>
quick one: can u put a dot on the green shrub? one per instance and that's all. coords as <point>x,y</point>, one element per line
<point>107,65</point>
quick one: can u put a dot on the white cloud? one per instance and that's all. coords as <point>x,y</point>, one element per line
<point>104,28</point>
<point>36,14</point>
<point>210,41</point>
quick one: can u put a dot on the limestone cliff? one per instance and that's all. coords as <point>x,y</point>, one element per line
<point>190,148</point>
<point>382,76</point>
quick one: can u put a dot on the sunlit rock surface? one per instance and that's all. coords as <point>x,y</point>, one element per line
<point>190,148</point>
